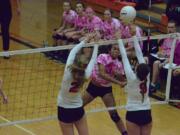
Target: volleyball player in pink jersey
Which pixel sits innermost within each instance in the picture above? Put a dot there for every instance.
(5, 99)
(73, 34)
(93, 25)
(104, 74)
(110, 25)
(68, 21)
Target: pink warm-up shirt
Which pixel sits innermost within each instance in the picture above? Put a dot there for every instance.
(109, 28)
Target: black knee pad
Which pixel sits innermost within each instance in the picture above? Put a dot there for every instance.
(115, 117)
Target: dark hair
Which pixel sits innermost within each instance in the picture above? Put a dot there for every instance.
(110, 46)
(79, 66)
(81, 4)
(172, 21)
(142, 71)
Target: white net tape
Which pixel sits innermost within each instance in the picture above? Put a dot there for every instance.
(28, 51)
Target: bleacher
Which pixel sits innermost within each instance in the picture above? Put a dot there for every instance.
(158, 20)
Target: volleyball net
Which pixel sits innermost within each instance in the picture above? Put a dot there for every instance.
(31, 80)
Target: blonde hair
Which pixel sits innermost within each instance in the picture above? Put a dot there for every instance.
(79, 66)
(74, 69)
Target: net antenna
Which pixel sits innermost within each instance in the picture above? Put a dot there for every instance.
(149, 25)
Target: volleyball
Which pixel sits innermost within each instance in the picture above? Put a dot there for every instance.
(127, 14)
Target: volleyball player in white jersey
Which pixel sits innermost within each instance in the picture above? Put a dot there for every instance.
(138, 116)
(70, 110)
(5, 99)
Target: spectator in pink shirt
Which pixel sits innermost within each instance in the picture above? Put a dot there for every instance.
(73, 34)
(67, 21)
(127, 31)
(165, 48)
(110, 25)
(93, 24)
(164, 53)
(107, 70)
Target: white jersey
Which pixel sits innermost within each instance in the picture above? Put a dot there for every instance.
(69, 95)
(135, 100)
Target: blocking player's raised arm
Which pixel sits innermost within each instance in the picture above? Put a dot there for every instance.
(92, 62)
(138, 51)
(127, 67)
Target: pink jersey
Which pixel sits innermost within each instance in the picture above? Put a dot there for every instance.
(177, 54)
(69, 17)
(94, 24)
(80, 22)
(109, 28)
(125, 33)
(166, 46)
(112, 66)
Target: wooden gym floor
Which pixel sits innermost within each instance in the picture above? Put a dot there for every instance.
(35, 24)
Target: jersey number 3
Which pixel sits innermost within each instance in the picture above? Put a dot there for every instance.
(143, 87)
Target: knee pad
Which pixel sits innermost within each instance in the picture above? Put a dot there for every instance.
(115, 117)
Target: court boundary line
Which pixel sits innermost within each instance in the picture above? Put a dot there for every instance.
(26, 42)
(18, 126)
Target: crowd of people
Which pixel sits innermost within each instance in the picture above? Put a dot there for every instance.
(111, 64)
(78, 24)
